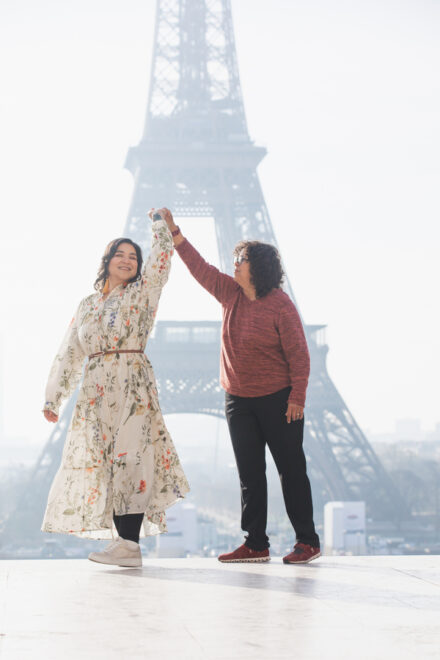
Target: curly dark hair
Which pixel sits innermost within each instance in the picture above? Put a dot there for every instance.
(108, 255)
(264, 264)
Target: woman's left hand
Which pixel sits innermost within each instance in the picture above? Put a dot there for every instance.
(294, 412)
(50, 416)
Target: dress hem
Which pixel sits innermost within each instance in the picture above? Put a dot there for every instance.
(106, 533)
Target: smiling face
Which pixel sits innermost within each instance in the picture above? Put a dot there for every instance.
(123, 265)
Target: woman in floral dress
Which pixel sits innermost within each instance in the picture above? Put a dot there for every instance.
(119, 463)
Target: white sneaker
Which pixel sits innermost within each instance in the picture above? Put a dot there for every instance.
(119, 553)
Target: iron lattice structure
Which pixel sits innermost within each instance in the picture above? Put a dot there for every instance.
(196, 157)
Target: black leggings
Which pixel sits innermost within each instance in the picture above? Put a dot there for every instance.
(129, 526)
(253, 423)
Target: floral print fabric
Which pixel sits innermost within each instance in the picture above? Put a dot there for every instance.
(118, 455)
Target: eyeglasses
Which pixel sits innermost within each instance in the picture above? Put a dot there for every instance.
(239, 260)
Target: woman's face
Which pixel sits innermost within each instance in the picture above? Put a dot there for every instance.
(242, 273)
(123, 265)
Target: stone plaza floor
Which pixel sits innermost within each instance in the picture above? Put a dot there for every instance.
(334, 607)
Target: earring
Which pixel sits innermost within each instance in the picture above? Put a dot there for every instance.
(106, 287)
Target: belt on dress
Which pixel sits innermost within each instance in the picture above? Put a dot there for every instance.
(136, 350)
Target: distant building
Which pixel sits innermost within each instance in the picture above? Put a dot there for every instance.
(408, 429)
(181, 539)
(344, 528)
(208, 538)
(435, 434)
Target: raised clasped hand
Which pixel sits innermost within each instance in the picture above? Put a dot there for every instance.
(294, 412)
(164, 213)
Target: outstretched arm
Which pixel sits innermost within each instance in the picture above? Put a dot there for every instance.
(145, 294)
(157, 267)
(220, 285)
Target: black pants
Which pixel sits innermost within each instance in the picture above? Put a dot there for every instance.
(253, 422)
(129, 526)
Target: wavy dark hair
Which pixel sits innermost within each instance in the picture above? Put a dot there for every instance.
(108, 255)
(264, 265)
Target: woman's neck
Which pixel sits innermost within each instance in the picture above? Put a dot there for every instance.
(250, 292)
(113, 282)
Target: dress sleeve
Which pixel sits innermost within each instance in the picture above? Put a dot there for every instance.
(66, 369)
(157, 266)
(218, 284)
(296, 352)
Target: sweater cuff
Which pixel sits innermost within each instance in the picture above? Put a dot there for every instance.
(298, 399)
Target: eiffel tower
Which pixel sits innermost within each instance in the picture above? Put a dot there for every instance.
(196, 157)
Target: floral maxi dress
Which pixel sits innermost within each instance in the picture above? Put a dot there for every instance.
(118, 455)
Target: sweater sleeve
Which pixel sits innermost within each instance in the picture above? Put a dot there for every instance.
(296, 352)
(218, 284)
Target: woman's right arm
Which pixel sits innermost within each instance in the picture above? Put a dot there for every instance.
(218, 284)
(66, 370)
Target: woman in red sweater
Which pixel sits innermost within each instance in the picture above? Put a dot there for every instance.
(264, 368)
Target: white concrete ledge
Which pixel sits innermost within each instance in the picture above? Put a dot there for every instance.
(198, 609)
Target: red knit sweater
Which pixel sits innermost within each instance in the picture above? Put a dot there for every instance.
(263, 344)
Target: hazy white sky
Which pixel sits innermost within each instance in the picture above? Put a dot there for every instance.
(346, 97)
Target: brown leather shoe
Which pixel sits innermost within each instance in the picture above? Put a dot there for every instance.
(302, 554)
(245, 554)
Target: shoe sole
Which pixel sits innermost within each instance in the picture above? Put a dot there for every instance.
(244, 561)
(127, 563)
(303, 561)
(131, 563)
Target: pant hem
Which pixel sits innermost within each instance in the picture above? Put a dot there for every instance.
(311, 543)
(251, 547)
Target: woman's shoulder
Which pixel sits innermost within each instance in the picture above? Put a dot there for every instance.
(89, 300)
(279, 303)
(277, 297)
